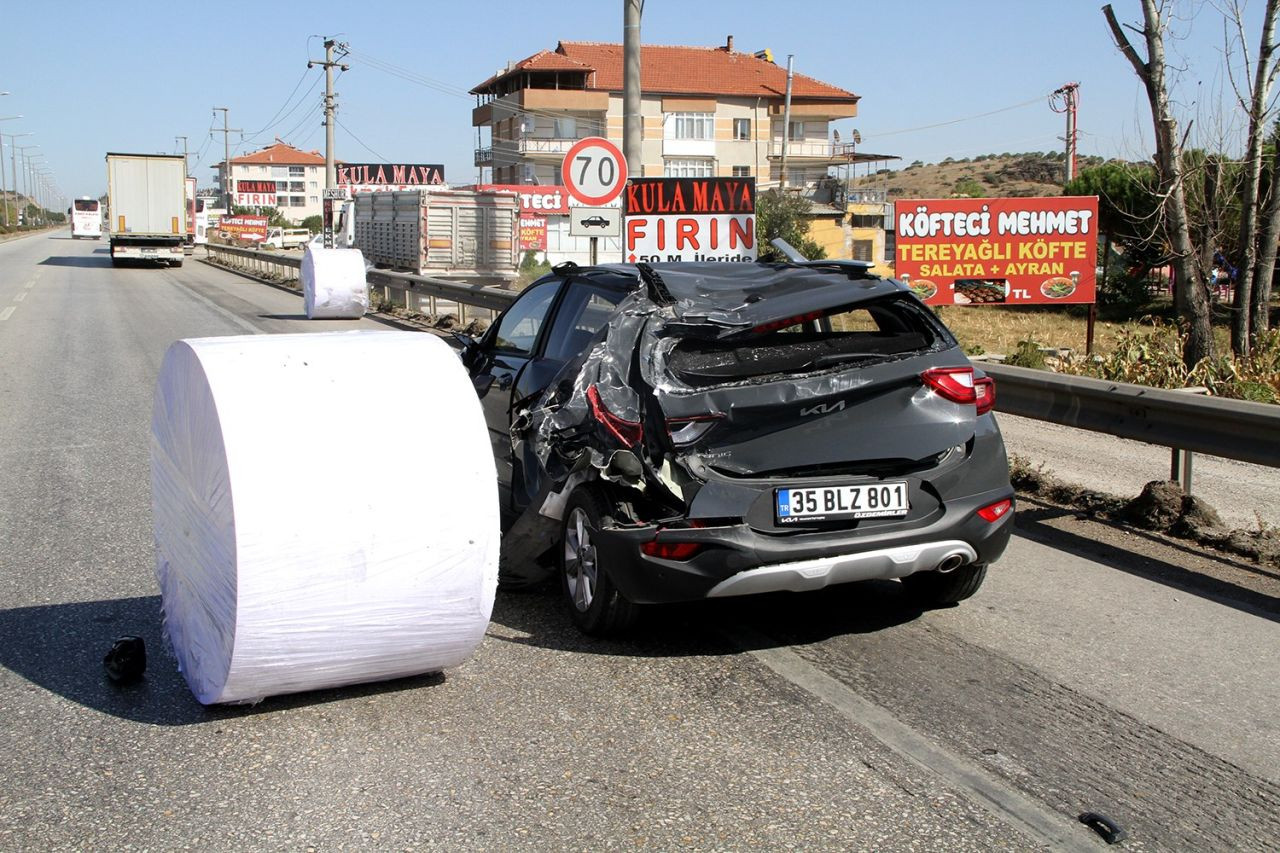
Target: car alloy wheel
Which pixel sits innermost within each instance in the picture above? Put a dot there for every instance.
(580, 560)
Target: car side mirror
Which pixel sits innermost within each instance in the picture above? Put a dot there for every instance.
(470, 349)
(482, 382)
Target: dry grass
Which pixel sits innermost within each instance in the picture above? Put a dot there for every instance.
(999, 330)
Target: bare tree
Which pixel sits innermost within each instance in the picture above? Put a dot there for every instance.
(1254, 101)
(1269, 244)
(1195, 297)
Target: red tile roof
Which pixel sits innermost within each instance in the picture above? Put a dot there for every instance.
(282, 154)
(678, 70)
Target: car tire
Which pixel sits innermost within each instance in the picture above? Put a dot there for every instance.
(936, 589)
(594, 603)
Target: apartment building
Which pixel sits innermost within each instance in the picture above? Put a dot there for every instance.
(278, 176)
(707, 111)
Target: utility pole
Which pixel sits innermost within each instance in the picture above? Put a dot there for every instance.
(330, 106)
(226, 159)
(1065, 100)
(786, 124)
(632, 122)
(185, 167)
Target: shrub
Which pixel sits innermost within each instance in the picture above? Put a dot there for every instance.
(1027, 355)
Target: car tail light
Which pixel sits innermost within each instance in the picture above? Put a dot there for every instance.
(626, 432)
(788, 322)
(996, 511)
(671, 550)
(674, 550)
(688, 430)
(953, 383)
(984, 389)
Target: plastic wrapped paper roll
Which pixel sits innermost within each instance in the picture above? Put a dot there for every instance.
(333, 284)
(292, 553)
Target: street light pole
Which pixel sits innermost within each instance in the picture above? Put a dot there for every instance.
(13, 161)
(23, 149)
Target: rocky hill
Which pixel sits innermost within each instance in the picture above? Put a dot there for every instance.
(988, 176)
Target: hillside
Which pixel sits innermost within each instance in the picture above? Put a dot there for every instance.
(990, 175)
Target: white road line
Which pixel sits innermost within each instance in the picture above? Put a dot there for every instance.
(30, 284)
(1038, 822)
(6, 313)
(20, 297)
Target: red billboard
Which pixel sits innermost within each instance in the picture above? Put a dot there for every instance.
(998, 251)
(533, 233)
(536, 199)
(244, 227)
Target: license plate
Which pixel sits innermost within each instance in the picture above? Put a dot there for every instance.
(147, 251)
(834, 503)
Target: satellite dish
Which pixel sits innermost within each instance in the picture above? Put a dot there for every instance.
(835, 134)
(856, 137)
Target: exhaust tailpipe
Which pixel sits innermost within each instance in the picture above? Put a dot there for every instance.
(951, 563)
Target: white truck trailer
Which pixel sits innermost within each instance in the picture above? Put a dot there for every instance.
(147, 199)
(465, 234)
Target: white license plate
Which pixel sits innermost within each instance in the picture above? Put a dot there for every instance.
(147, 251)
(834, 503)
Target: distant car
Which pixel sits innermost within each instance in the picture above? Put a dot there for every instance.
(594, 222)
(686, 431)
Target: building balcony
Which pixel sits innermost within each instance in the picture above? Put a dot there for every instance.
(484, 157)
(546, 100)
(534, 146)
(802, 149)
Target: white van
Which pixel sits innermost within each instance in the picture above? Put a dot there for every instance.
(287, 238)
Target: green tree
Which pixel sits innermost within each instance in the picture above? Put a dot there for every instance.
(314, 224)
(969, 188)
(274, 216)
(785, 215)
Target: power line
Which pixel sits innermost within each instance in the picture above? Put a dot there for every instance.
(359, 140)
(1036, 100)
(277, 118)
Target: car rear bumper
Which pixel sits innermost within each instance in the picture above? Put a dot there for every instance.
(738, 560)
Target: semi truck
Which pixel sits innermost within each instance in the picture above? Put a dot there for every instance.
(468, 234)
(147, 198)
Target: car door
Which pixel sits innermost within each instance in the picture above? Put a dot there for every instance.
(581, 311)
(507, 350)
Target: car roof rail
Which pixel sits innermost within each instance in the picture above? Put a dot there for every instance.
(848, 266)
(565, 268)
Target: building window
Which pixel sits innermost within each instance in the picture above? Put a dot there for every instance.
(741, 129)
(296, 187)
(863, 250)
(566, 128)
(297, 171)
(742, 171)
(279, 171)
(795, 130)
(890, 246)
(690, 168)
(311, 185)
(314, 199)
(282, 187)
(690, 126)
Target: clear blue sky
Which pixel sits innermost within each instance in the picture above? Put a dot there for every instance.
(89, 77)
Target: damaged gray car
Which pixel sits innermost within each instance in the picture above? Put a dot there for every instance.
(677, 432)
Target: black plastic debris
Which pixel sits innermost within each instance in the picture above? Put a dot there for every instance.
(126, 661)
(1104, 826)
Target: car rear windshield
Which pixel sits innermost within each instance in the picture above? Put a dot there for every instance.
(83, 205)
(889, 329)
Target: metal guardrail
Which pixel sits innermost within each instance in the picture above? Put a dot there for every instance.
(414, 289)
(1232, 429)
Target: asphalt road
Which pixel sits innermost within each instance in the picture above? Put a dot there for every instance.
(1092, 672)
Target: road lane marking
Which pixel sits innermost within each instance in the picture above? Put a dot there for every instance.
(1036, 821)
(6, 313)
(30, 284)
(20, 297)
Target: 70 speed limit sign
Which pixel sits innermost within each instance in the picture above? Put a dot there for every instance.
(594, 171)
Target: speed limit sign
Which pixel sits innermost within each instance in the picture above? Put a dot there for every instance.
(594, 171)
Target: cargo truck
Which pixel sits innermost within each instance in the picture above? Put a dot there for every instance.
(147, 198)
(466, 234)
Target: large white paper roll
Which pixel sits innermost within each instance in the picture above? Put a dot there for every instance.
(326, 510)
(333, 284)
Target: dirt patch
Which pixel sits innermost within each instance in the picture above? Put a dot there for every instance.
(1162, 508)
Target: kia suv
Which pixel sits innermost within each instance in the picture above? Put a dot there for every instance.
(677, 432)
